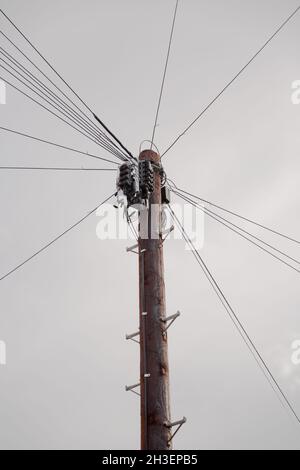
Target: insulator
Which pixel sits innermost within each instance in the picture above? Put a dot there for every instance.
(165, 195)
(126, 180)
(125, 176)
(146, 178)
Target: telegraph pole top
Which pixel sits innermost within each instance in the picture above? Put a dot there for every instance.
(150, 155)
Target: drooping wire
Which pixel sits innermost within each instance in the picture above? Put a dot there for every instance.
(64, 81)
(234, 213)
(236, 321)
(54, 239)
(231, 81)
(164, 74)
(216, 217)
(37, 139)
(59, 89)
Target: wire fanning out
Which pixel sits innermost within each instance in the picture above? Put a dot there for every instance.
(287, 237)
(37, 139)
(232, 80)
(164, 74)
(55, 85)
(54, 239)
(229, 225)
(78, 126)
(84, 123)
(237, 323)
(76, 115)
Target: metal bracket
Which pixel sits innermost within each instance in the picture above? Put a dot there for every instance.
(178, 423)
(130, 388)
(132, 337)
(130, 215)
(132, 249)
(167, 232)
(170, 319)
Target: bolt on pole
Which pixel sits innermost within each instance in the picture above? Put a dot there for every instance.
(154, 367)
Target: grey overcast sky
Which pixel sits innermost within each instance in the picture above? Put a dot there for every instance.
(64, 315)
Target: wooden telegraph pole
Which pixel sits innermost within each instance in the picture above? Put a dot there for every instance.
(154, 367)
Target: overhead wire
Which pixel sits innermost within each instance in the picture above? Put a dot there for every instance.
(164, 73)
(216, 217)
(66, 83)
(93, 130)
(276, 232)
(207, 272)
(47, 245)
(48, 90)
(49, 110)
(91, 136)
(131, 157)
(37, 139)
(236, 321)
(59, 89)
(231, 81)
